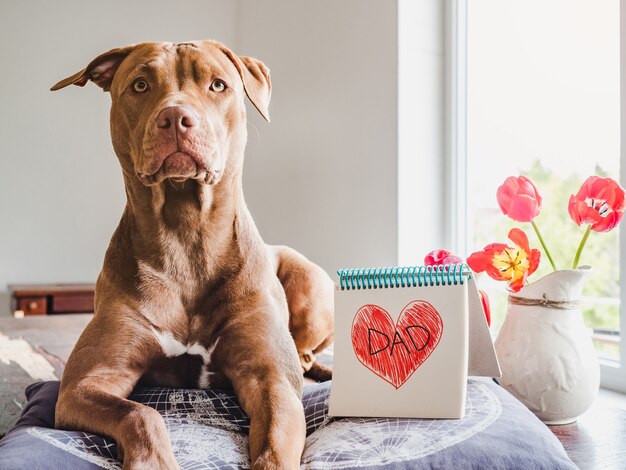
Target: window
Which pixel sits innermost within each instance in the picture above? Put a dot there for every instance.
(542, 97)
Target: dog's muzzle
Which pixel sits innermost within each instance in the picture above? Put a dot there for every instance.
(179, 149)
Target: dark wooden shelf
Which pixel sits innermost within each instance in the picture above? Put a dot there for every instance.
(50, 299)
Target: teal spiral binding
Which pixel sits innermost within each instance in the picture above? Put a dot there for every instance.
(403, 276)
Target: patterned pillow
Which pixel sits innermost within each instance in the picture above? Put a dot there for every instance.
(209, 430)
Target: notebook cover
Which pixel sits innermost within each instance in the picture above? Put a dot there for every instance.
(375, 373)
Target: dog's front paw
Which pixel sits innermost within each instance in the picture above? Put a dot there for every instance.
(269, 461)
(158, 461)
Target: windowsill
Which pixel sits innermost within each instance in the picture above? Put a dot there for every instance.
(610, 398)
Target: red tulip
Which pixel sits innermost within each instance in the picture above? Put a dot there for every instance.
(599, 202)
(485, 301)
(518, 198)
(437, 257)
(506, 263)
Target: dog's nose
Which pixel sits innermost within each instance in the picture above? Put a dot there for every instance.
(177, 117)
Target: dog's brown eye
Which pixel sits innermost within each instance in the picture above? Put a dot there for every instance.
(140, 85)
(218, 86)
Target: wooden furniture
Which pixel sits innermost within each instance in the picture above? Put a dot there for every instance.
(48, 299)
(596, 440)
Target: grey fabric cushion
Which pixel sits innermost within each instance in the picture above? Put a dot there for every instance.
(208, 430)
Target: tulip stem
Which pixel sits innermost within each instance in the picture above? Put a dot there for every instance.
(543, 244)
(581, 246)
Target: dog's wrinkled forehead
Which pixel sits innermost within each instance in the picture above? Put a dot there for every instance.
(176, 65)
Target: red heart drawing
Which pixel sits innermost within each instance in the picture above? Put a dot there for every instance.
(394, 352)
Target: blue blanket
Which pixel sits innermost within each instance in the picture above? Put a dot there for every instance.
(208, 430)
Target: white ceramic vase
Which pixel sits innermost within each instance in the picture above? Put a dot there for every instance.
(547, 358)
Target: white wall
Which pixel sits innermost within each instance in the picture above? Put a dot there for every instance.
(321, 177)
(421, 130)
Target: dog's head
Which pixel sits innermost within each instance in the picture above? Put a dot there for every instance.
(178, 110)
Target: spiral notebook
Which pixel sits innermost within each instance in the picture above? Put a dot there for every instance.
(406, 339)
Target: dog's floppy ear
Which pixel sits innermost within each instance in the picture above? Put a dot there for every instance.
(101, 70)
(256, 80)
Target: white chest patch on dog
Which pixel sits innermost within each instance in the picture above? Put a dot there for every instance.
(172, 348)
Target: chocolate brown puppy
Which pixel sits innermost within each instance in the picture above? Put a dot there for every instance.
(189, 294)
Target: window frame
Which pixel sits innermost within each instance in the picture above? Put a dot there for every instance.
(613, 373)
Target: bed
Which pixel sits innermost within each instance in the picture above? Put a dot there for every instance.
(208, 430)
